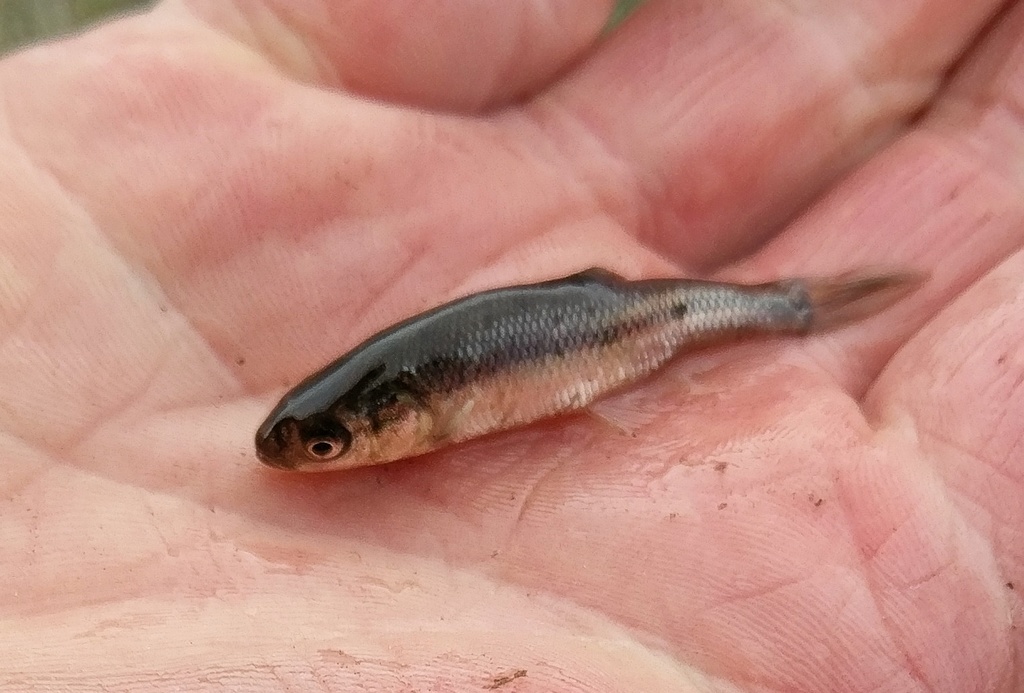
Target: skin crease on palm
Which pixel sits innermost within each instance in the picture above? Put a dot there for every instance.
(200, 205)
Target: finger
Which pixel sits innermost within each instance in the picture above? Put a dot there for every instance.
(273, 215)
(270, 610)
(81, 549)
(955, 395)
(945, 198)
(732, 116)
(463, 55)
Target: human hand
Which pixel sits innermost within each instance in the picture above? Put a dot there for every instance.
(202, 204)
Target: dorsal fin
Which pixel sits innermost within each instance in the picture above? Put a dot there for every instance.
(595, 275)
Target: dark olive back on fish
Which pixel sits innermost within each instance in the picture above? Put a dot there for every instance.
(505, 357)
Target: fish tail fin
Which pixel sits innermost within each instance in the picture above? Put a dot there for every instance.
(854, 296)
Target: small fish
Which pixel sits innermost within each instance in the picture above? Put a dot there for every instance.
(507, 357)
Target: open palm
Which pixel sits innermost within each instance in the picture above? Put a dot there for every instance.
(200, 205)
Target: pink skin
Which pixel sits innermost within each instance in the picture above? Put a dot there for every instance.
(200, 205)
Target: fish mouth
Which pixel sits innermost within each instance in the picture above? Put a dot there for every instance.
(271, 450)
(275, 461)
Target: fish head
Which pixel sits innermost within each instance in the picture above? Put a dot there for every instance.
(377, 426)
(303, 444)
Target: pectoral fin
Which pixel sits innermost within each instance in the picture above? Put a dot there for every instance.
(609, 423)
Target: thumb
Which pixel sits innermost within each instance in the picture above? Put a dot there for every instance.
(460, 54)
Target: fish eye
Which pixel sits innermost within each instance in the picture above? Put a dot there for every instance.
(324, 449)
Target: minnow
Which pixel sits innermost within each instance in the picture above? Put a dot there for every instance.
(504, 358)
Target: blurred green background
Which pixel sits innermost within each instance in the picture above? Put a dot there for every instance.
(24, 21)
